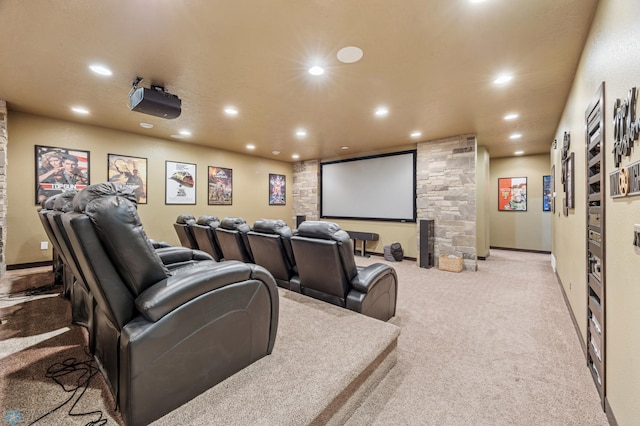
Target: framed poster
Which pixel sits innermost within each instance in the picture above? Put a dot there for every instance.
(570, 182)
(553, 188)
(277, 190)
(512, 194)
(180, 183)
(129, 171)
(220, 186)
(59, 169)
(546, 193)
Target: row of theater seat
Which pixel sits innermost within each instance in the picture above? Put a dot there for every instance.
(316, 260)
(164, 323)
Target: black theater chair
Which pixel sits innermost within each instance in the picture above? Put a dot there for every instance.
(232, 237)
(270, 242)
(204, 233)
(62, 276)
(163, 337)
(327, 270)
(183, 229)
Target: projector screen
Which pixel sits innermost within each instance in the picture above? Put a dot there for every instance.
(381, 187)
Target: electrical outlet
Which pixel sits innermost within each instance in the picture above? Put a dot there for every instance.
(44, 245)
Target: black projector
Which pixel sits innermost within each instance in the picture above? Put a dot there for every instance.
(156, 102)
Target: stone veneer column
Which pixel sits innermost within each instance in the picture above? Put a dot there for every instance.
(446, 192)
(4, 138)
(306, 182)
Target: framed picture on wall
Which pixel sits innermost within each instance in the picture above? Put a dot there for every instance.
(553, 188)
(180, 183)
(512, 194)
(277, 190)
(220, 186)
(570, 182)
(546, 193)
(59, 169)
(129, 171)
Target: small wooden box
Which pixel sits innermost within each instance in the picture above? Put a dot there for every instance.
(452, 264)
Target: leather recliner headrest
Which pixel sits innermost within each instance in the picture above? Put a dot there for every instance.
(64, 202)
(270, 226)
(318, 229)
(99, 190)
(186, 219)
(49, 202)
(211, 221)
(235, 223)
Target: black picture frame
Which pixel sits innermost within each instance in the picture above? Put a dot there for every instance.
(60, 169)
(277, 189)
(220, 186)
(570, 182)
(130, 171)
(547, 195)
(180, 183)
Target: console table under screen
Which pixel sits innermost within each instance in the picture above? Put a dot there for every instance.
(364, 237)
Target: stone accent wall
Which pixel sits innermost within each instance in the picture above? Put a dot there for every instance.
(446, 192)
(4, 138)
(306, 184)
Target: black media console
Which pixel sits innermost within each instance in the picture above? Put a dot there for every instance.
(364, 237)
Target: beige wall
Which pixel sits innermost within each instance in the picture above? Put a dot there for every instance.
(610, 55)
(528, 230)
(389, 232)
(25, 232)
(483, 202)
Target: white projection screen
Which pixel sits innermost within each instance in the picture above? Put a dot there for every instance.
(381, 187)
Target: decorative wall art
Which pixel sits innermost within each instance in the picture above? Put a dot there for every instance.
(277, 190)
(58, 170)
(130, 171)
(512, 194)
(220, 186)
(180, 183)
(547, 198)
(570, 181)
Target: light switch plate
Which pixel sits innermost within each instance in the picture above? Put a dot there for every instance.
(44, 245)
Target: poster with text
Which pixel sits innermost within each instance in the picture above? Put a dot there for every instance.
(59, 170)
(129, 171)
(180, 183)
(220, 186)
(277, 190)
(512, 194)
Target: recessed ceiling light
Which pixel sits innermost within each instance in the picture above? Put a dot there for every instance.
(185, 132)
(512, 116)
(146, 125)
(231, 110)
(100, 69)
(301, 133)
(295, 156)
(350, 54)
(344, 147)
(503, 79)
(382, 112)
(416, 134)
(518, 153)
(251, 146)
(476, 1)
(275, 152)
(316, 70)
(515, 136)
(80, 110)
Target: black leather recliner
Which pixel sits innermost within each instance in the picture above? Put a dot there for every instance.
(270, 242)
(327, 270)
(183, 229)
(163, 337)
(62, 275)
(205, 235)
(232, 236)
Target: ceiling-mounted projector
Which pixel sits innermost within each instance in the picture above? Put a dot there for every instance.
(154, 101)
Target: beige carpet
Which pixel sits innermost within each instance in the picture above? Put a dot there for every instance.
(493, 347)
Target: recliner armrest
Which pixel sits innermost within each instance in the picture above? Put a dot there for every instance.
(171, 255)
(159, 244)
(172, 292)
(368, 276)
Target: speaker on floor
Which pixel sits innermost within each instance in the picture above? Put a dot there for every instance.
(427, 244)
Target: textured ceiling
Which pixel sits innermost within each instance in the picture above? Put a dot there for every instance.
(431, 62)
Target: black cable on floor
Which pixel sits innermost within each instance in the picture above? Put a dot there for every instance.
(87, 371)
